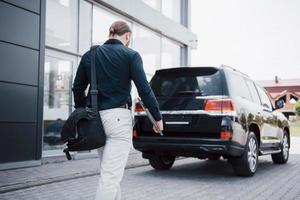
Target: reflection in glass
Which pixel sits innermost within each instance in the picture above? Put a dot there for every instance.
(61, 24)
(102, 20)
(242, 90)
(57, 99)
(85, 26)
(156, 4)
(147, 43)
(170, 56)
(265, 101)
(171, 9)
(293, 99)
(186, 83)
(253, 91)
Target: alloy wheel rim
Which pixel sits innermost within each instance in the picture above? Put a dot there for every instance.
(285, 147)
(252, 154)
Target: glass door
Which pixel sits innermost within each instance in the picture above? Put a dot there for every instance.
(58, 77)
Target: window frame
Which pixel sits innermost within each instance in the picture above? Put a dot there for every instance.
(232, 91)
(266, 93)
(247, 80)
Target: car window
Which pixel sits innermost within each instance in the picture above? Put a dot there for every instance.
(265, 101)
(187, 83)
(253, 91)
(238, 86)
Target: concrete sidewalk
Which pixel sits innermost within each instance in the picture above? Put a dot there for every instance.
(16, 179)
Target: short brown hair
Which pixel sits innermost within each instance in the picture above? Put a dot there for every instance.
(119, 28)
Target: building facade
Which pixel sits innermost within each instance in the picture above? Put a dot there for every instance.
(55, 35)
(287, 90)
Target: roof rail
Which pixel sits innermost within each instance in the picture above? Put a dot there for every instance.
(233, 69)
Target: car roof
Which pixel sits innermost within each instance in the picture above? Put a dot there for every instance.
(222, 67)
(185, 69)
(179, 69)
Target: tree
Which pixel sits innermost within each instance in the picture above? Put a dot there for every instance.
(297, 107)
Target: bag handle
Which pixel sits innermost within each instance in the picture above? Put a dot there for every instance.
(94, 90)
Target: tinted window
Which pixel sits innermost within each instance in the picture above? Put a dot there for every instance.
(238, 86)
(187, 82)
(265, 101)
(253, 91)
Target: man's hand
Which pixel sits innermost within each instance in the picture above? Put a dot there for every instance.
(158, 126)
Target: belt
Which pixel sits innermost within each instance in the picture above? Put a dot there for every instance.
(126, 106)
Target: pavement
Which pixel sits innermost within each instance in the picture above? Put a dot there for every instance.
(188, 179)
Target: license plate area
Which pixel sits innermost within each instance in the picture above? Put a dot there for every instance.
(177, 120)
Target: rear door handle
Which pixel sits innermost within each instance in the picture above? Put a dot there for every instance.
(178, 123)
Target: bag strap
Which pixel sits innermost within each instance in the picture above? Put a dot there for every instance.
(94, 90)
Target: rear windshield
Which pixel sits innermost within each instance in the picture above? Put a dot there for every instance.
(200, 82)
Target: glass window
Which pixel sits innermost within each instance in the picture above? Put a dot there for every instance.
(57, 96)
(62, 24)
(283, 98)
(170, 56)
(200, 82)
(147, 43)
(102, 20)
(156, 4)
(171, 9)
(293, 99)
(265, 101)
(238, 86)
(253, 91)
(85, 26)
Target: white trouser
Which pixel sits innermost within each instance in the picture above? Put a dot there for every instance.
(117, 124)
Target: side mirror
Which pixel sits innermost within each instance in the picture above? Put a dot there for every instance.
(279, 104)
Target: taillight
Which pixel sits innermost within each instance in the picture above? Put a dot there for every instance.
(134, 133)
(226, 128)
(138, 107)
(219, 105)
(225, 135)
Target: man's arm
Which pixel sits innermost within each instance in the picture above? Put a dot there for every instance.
(145, 92)
(80, 84)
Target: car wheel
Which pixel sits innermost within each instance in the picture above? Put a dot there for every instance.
(246, 165)
(162, 162)
(283, 156)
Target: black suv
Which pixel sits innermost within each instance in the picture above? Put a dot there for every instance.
(209, 112)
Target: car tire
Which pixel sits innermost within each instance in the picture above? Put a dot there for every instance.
(162, 162)
(246, 165)
(283, 156)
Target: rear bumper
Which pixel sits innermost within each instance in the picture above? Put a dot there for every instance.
(189, 147)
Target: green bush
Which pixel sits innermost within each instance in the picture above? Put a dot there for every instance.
(297, 107)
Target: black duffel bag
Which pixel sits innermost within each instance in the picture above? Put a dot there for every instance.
(84, 130)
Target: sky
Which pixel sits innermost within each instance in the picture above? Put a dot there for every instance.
(258, 37)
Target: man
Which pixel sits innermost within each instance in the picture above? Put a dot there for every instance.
(116, 66)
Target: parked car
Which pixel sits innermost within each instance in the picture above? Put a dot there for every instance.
(209, 112)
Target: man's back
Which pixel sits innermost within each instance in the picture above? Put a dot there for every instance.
(112, 72)
(116, 66)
